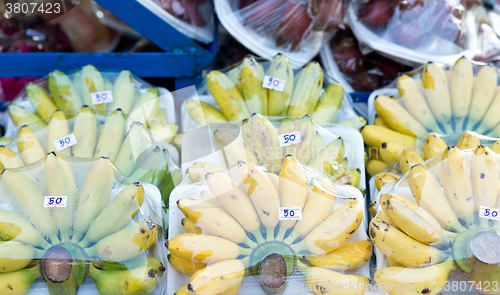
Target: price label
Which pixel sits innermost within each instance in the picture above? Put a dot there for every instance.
(290, 213)
(273, 83)
(289, 138)
(65, 142)
(101, 97)
(55, 201)
(489, 213)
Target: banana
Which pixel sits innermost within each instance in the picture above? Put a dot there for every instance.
(28, 146)
(275, 179)
(376, 135)
(307, 90)
(22, 116)
(402, 248)
(85, 131)
(428, 194)
(190, 227)
(332, 154)
(141, 260)
(252, 144)
(378, 121)
(381, 215)
(484, 177)
(94, 196)
(112, 136)
(427, 280)
(461, 84)
(457, 185)
(408, 160)
(232, 148)
(292, 190)
(152, 166)
(227, 96)
(137, 281)
(352, 177)
(117, 215)
(177, 142)
(134, 145)
(161, 118)
(415, 103)
(18, 282)
(374, 167)
(146, 108)
(372, 208)
(204, 248)
(163, 133)
(317, 146)
(337, 170)
(198, 171)
(391, 152)
(413, 220)
(334, 231)
(64, 93)
(41, 100)
(397, 117)
(77, 81)
(184, 289)
(126, 243)
(57, 129)
(355, 123)
(385, 178)
(482, 95)
(251, 78)
(319, 206)
(185, 266)
(280, 68)
(16, 255)
(347, 257)
(468, 140)
(123, 93)
(209, 217)
(235, 201)
(29, 199)
(266, 135)
(437, 92)
(14, 227)
(434, 144)
(233, 75)
(288, 126)
(307, 130)
(496, 147)
(329, 104)
(203, 113)
(92, 82)
(217, 278)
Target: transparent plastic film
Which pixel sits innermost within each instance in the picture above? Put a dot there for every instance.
(68, 222)
(266, 233)
(439, 224)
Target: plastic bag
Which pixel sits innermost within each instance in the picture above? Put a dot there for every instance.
(295, 27)
(415, 31)
(442, 208)
(266, 88)
(66, 220)
(231, 231)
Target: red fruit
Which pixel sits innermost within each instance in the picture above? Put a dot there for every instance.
(408, 35)
(245, 3)
(294, 24)
(327, 14)
(376, 13)
(388, 67)
(262, 13)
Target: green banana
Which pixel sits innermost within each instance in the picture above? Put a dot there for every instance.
(15, 227)
(251, 78)
(280, 68)
(146, 108)
(138, 281)
(18, 282)
(134, 144)
(41, 100)
(329, 104)
(23, 116)
(307, 90)
(85, 131)
(112, 135)
(92, 82)
(229, 99)
(64, 93)
(123, 92)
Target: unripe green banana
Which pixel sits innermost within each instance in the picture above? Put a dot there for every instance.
(112, 136)
(280, 68)
(23, 116)
(41, 100)
(64, 93)
(307, 90)
(58, 128)
(85, 131)
(92, 82)
(251, 78)
(28, 146)
(229, 99)
(329, 104)
(123, 93)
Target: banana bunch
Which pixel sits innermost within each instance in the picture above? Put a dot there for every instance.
(243, 92)
(64, 226)
(259, 143)
(442, 231)
(233, 229)
(95, 135)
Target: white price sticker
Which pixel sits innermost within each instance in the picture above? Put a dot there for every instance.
(289, 138)
(489, 213)
(274, 83)
(102, 97)
(55, 201)
(290, 213)
(65, 142)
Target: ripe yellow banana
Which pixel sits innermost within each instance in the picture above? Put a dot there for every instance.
(85, 131)
(203, 113)
(16, 255)
(496, 147)
(217, 278)
(64, 93)
(391, 152)
(92, 82)
(408, 160)
(461, 84)
(437, 92)
(18, 282)
(227, 96)
(57, 129)
(378, 121)
(381, 215)
(190, 227)
(126, 243)
(28, 146)
(374, 167)
(374, 136)
(204, 248)
(328, 104)
(251, 78)
(347, 257)
(233, 74)
(402, 248)
(434, 144)
(280, 68)
(397, 117)
(133, 146)
(185, 266)
(112, 136)
(468, 140)
(303, 150)
(266, 136)
(482, 95)
(41, 100)
(428, 194)
(15, 227)
(372, 208)
(385, 178)
(484, 177)
(123, 93)
(139, 280)
(306, 91)
(198, 171)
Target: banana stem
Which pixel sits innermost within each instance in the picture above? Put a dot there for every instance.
(258, 236)
(269, 234)
(91, 251)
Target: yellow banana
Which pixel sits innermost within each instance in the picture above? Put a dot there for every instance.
(22, 116)
(112, 136)
(484, 177)
(306, 91)
(233, 74)
(496, 147)
(408, 160)
(190, 227)
(217, 278)
(18, 282)
(28, 146)
(57, 129)
(434, 144)
(482, 95)
(372, 208)
(307, 130)
(16, 255)
(376, 135)
(40, 99)
(461, 85)
(163, 133)
(203, 113)
(352, 177)
(92, 82)
(184, 266)
(397, 117)
(136, 281)
(378, 121)
(437, 92)
(123, 93)
(391, 152)
(227, 96)
(251, 78)
(15, 227)
(381, 215)
(280, 68)
(177, 142)
(232, 147)
(198, 171)
(9, 158)
(328, 104)
(347, 257)
(468, 140)
(266, 136)
(85, 131)
(64, 93)
(275, 179)
(385, 178)
(374, 167)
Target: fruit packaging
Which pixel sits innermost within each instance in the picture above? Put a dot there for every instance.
(69, 222)
(333, 150)
(437, 227)
(226, 236)
(235, 94)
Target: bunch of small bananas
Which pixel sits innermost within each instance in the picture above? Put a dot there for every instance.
(234, 230)
(259, 143)
(240, 93)
(92, 235)
(70, 95)
(95, 136)
(435, 233)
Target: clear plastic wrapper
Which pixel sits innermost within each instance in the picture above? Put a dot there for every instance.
(229, 227)
(436, 228)
(78, 226)
(108, 19)
(294, 27)
(268, 88)
(415, 31)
